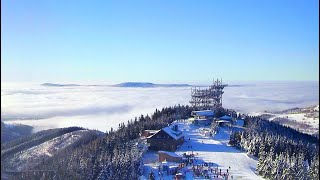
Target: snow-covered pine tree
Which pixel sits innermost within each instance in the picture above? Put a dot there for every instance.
(261, 160)
(268, 166)
(302, 171)
(314, 168)
(275, 171)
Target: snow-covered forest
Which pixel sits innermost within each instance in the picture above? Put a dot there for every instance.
(283, 153)
(110, 157)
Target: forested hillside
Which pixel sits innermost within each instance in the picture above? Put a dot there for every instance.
(11, 132)
(283, 153)
(108, 157)
(33, 140)
(24, 154)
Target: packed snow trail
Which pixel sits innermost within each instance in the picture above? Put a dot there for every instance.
(216, 150)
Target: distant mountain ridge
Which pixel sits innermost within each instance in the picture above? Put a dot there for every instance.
(148, 84)
(139, 84)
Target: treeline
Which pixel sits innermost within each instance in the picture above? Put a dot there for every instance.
(27, 142)
(283, 153)
(109, 157)
(31, 157)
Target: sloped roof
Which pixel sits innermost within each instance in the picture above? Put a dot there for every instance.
(201, 119)
(225, 117)
(204, 113)
(174, 134)
(223, 121)
(151, 130)
(168, 130)
(154, 133)
(170, 153)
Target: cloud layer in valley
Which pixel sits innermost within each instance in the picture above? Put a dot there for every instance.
(102, 107)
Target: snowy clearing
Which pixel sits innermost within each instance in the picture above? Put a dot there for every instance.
(305, 120)
(214, 150)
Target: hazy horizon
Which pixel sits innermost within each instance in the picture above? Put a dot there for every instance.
(268, 47)
(103, 107)
(229, 82)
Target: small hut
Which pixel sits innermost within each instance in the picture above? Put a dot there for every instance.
(224, 120)
(203, 117)
(169, 156)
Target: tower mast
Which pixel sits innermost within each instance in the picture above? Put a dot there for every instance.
(209, 98)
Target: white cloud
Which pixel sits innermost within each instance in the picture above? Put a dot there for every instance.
(100, 107)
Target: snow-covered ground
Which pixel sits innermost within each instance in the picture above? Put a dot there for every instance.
(305, 119)
(300, 117)
(46, 149)
(213, 150)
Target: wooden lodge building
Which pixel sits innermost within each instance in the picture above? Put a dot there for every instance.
(167, 139)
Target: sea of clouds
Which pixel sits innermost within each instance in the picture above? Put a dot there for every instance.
(103, 107)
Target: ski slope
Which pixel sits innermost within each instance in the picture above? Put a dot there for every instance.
(211, 149)
(216, 150)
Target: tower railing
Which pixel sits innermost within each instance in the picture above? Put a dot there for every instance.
(208, 98)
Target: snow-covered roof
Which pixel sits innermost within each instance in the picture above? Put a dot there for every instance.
(223, 121)
(153, 133)
(201, 119)
(170, 153)
(165, 162)
(173, 167)
(203, 113)
(225, 117)
(174, 134)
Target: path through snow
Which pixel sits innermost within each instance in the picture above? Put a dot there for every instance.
(214, 150)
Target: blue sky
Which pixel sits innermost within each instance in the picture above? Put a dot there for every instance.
(159, 41)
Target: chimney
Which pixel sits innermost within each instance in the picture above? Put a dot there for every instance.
(175, 127)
